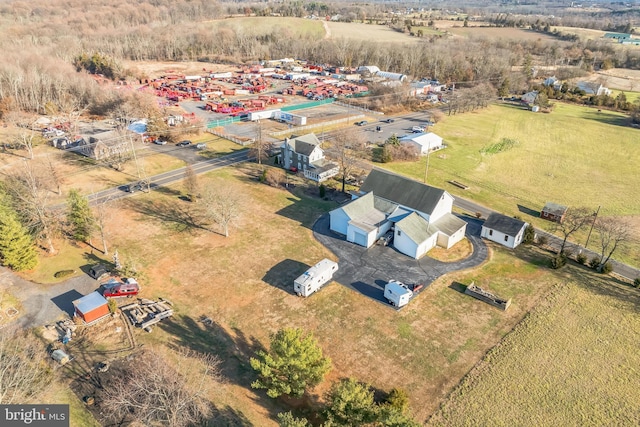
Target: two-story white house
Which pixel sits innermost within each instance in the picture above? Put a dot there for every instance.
(419, 215)
(303, 153)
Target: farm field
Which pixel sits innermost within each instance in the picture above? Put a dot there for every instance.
(572, 362)
(553, 159)
(499, 33)
(295, 27)
(583, 33)
(368, 32)
(244, 283)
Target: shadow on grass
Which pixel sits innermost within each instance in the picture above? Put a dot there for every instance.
(226, 416)
(605, 285)
(458, 287)
(177, 215)
(528, 211)
(283, 274)
(606, 117)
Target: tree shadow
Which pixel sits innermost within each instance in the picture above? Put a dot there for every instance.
(174, 215)
(303, 209)
(226, 416)
(606, 117)
(528, 211)
(605, 285)
(167, 191)
(283, 274)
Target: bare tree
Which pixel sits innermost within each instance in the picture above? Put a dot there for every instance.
(161, 390)
(613, 233)
(348, 148)
(275, 177)
(103, 212)
(57, 178)
(28, 189)
(25, 137)
(222, 207)
(23, 373)
(191, 183)
(574, 220)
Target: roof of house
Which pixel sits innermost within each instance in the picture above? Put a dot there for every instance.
(359, 206)
(403, 191)
(323, 165)
(304, 144)
(555, 209)
(422, 138)
(504, 224)
(589, 87)
(89, 302)
(415, 228)
(448, 224)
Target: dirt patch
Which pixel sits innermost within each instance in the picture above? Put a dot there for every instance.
(155, 69)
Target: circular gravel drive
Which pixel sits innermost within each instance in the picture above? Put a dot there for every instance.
(368, 270)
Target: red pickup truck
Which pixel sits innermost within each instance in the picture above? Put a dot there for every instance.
(115, 288)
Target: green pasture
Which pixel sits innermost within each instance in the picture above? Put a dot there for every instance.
(631, 96)
(575, 156)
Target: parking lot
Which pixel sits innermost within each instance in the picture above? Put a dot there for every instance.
(368, 270)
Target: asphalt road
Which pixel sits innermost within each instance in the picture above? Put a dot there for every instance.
(173, 176)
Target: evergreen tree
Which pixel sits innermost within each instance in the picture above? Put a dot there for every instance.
(350, 403)
(17, 250)
(294, 363)
(80, 217)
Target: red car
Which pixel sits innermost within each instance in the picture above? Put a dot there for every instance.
(114, 288)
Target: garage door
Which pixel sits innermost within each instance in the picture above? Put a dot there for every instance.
(360, 239)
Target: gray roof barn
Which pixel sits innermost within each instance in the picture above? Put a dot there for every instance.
(504, 224)
(403, 191)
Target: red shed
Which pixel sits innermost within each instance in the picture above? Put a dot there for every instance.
(91, 307)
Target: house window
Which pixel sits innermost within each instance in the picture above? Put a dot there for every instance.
(506, 238)
(490, 232)
(399, 233)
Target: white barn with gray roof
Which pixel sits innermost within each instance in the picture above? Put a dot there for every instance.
(419, 214)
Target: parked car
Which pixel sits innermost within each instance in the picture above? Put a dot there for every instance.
(160, 142)
(201, 146)
(361, 123)
(386, 239)
(387, 121)
(417, 129)
(132, 188)
(98, 271)
(184, 143)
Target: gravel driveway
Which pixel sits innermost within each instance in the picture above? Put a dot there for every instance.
(43, 304)
(368, 270)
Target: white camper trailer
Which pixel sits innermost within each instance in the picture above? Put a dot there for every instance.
(314, 278)
(397, 293)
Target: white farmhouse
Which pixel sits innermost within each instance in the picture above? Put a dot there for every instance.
(420, 215)
(422, 142)
(504, 229)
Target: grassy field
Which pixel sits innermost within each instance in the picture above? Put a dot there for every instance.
(499, 33)
(631, 96)
(583, 33)
(572, 362)
(573, 156)
(296, 27)
(369, 32)
(244, 283)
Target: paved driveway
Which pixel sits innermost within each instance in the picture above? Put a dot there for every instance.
(368, 270)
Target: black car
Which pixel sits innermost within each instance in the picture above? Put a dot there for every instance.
(184, 143)
(387, 121)
(98, 271)
(132, 188)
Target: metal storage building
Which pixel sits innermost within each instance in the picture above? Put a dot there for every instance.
(91, 307)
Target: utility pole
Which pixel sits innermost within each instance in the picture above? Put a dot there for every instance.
(426, 169)
(595, 216)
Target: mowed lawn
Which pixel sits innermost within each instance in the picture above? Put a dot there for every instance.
(244, 284)
(369, 32)
(572, 362)
(499, 33)
(574, 156)
(259, 25)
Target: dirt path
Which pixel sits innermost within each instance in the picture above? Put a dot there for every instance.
(42, 304)
(327, 30)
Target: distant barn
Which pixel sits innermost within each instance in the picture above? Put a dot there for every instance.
(553, 212)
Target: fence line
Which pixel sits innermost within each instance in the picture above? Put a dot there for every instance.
(355, 107)
(232, 138)
(316, 125)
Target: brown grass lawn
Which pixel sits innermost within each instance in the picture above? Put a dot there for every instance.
(244, 282)
(572, 362)
(369, 32)
(499, 33)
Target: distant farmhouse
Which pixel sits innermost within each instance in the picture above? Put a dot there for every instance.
(303, 153)
(419, 215)
(591, 88)
(104, 145)
(553, 82)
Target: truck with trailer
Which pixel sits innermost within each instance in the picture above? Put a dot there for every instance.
(314, 278)
(397, 293)
(113, 288)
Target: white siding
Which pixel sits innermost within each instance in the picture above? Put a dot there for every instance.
(338, 221)
(404, 244)
(498, 237)
(353, 230)
(444, 206)
(426, 246)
